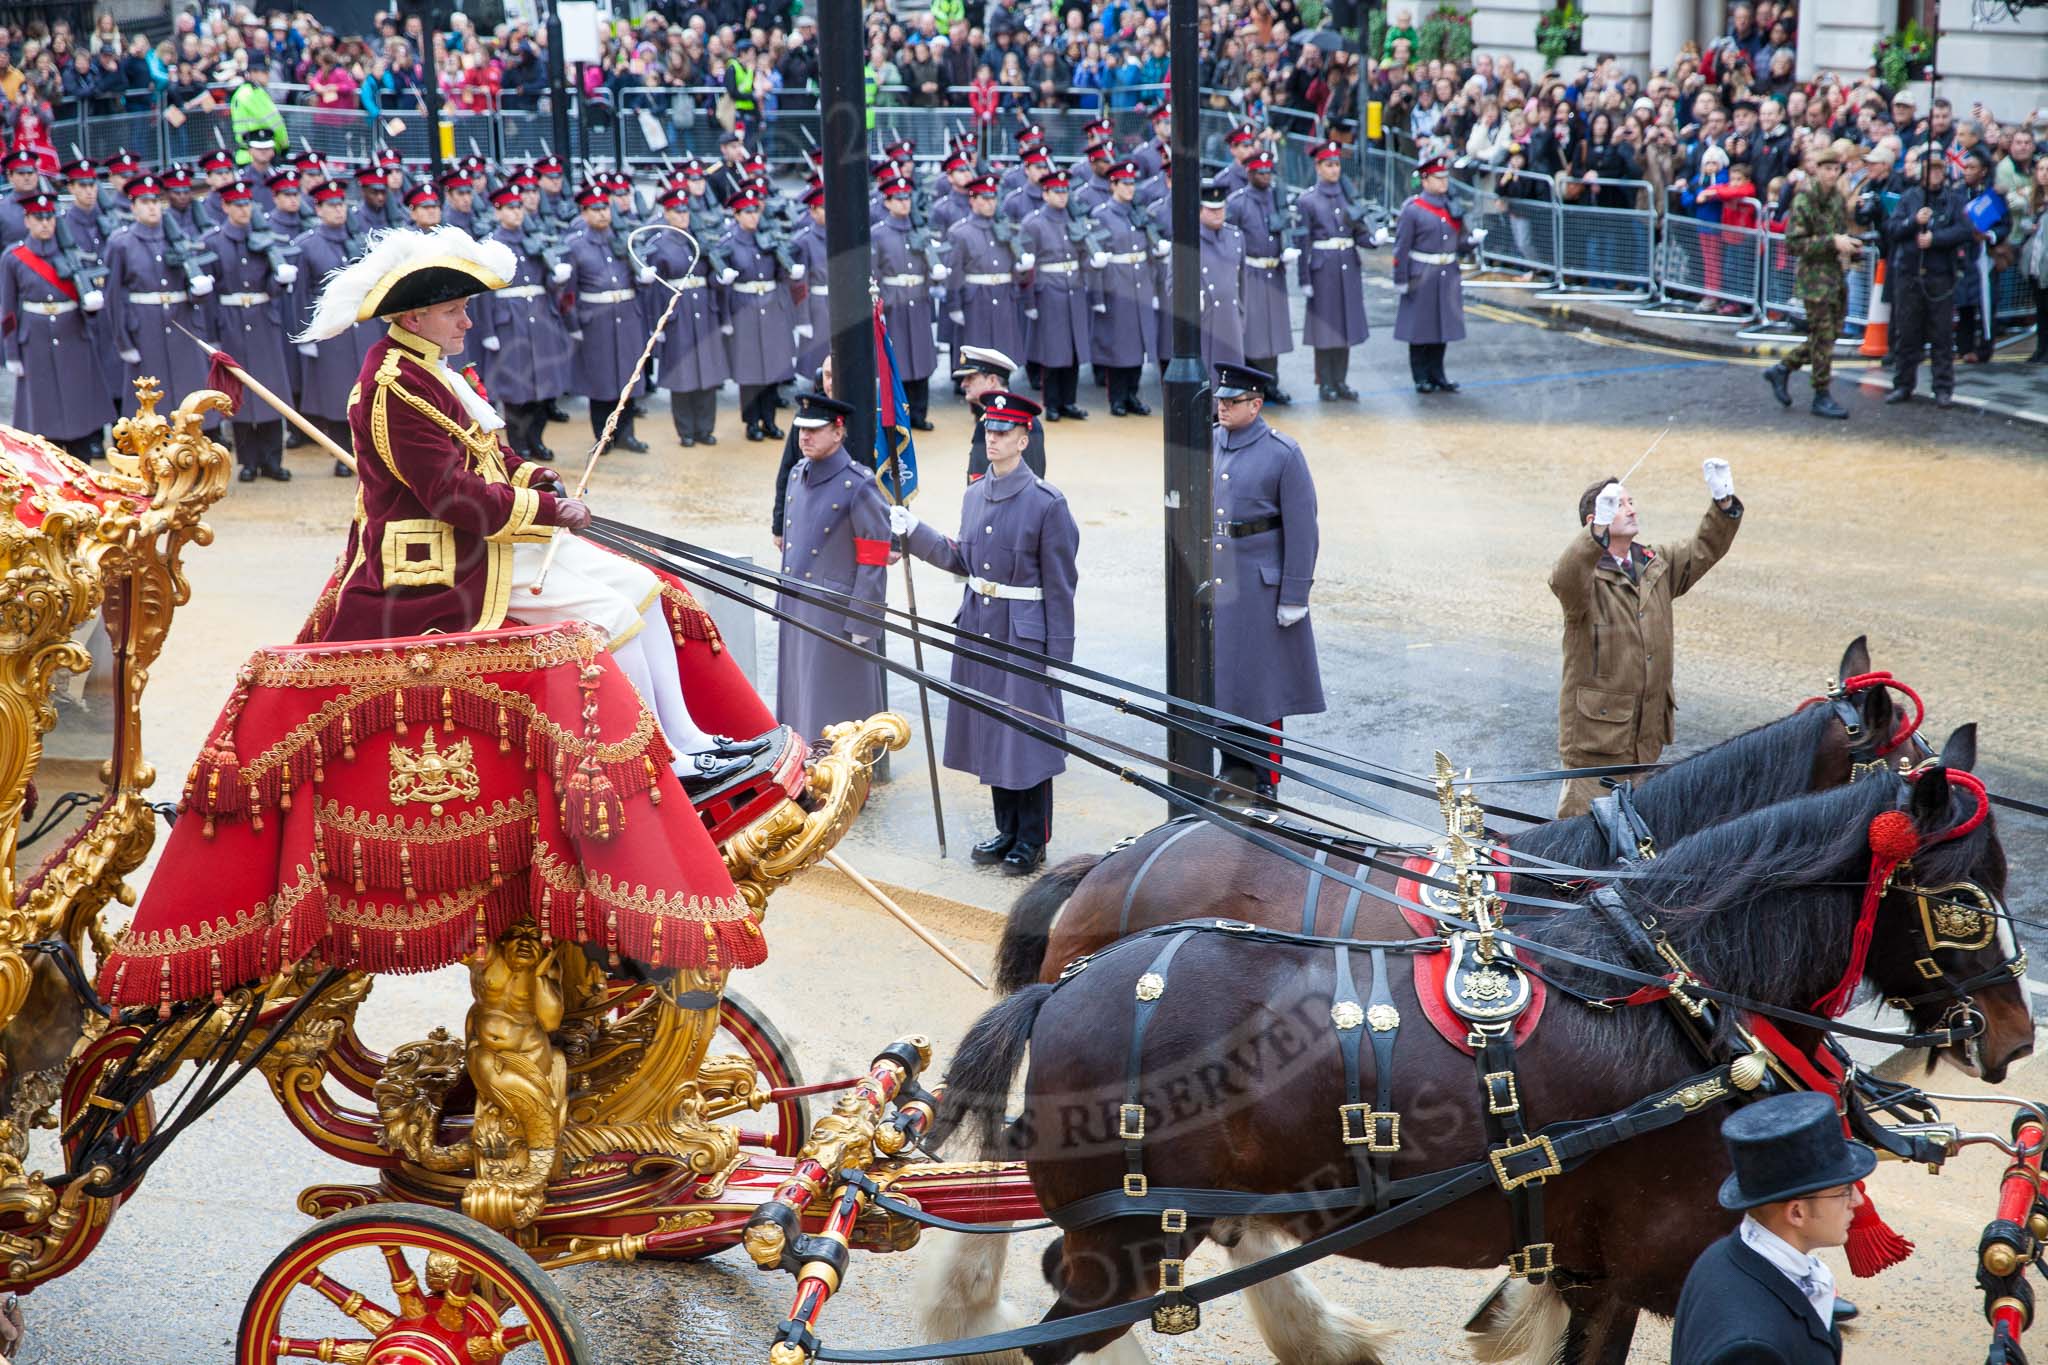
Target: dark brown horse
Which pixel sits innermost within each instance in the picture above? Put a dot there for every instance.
(1087, 903)
(1242, 1077)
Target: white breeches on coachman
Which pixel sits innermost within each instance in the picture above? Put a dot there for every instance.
(623, 600)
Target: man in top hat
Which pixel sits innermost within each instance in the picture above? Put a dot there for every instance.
(251, 311)
(1243, 141)
(458, 200)
(692, 364)
(1256, 211)
(903, 269)
(1331, 275)
(451, 528)
(1056, 305)
(60, 389)
(1928, 231)
(1123, 290)
(610, 329)
(984, 270)
(1223, 281)
(524, 343)
(1016, 546)
(423, 206)
(814, 312)
(24, 178)
(327, 372)
(1265, 550)
(983, 372)
(149, 298)
(1428, 240)
(1760, 1294)
(1820, 237)
(835, 538)
(760, 316)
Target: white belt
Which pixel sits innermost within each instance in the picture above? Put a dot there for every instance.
(610, 296)
(1129, 258)
(983, 588)
(1262, 262)
(902, 281)
(1332, 244)
(1434, 257)
(755, 286)
(1059, 267)
(520, 291)
(993, 281)
(244, 300)
(50, 310)
(164, 300)
(691, 282)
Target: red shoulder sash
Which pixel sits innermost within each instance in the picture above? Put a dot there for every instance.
(1455, 223)
(45, 271)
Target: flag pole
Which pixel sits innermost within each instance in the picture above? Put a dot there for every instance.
(924, 699)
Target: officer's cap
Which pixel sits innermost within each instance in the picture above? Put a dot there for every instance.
(984, 360)
(817, 410)
(1214, 192)
(1004, 411)
(1237, 381)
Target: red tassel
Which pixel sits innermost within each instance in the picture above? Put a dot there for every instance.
(1873, 1246)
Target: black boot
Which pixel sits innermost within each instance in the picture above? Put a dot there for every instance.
(1023, 859)
(992, 850)
(1824, 405)
(1778, 377)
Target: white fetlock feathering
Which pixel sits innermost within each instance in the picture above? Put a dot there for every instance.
(1531, 1323)
(959, 1292)
(1298, 1325)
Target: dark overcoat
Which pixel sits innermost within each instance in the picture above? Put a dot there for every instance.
(532, 361)
(612, 328)
(61, 392)
(905, 279)
(835, 530)
(250, 312)
(1018, 531)
(763, 343)
(1124, 288)
(135, 266)
(1058, 292)
(1329, 265)
(328, 374)
(692, 355)
(1268, 330)
(1432, 305)
(1264, 670)
(815, 311)
(982, 287)
(1739, 1309)
(1223, 273)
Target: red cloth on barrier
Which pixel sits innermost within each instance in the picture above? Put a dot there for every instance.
(390, 805)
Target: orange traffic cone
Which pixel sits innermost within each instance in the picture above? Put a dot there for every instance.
(1877, 333)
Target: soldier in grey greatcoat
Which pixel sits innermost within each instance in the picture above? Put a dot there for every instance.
(1023, 199)
(250, 310)
(984, 269)
(458, 201)
(1123, 293)
(1152, 157)
(1257, 212)
(525, 350)
(814, 314)
(1095, 188)
(1057, 303)
(24, 178)
(903, 270)
(1016, 547)
(60, 391)
(83, 226)
(379, 207)
(692, 361)
(148, 293)
(981, 375)
(558, 207)
(1243, 144)
(328, 370)
(835, 538)
(610, 331)
(1265, 563)
(761, 326)
(1223, 282)
(948, 206)
(1331, 275)
(1428, 240)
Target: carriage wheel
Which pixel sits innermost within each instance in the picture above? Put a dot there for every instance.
(782, 1126)
(405, 1284)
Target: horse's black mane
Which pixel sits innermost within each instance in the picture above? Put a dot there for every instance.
(1759, 767)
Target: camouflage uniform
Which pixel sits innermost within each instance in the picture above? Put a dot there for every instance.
(1817, 216)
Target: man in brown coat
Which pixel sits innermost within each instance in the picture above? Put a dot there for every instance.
(1616, 704)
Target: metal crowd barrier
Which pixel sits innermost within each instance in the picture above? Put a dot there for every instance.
(1712, 262)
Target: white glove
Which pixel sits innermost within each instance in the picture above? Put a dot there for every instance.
(1720, 481)
(1101, 308)
(1606, 504)
(490, 343)
(131, 357)
(726, 330)
(286, 273)
(1098, 261)
(93, 301)
(305, 348)
(1026, 261)
(805, 330)
(1478, 236)
(563, 271)
(940, 272)
(576, 336)
(958, 317)
(1161, 248)
(798, 271)
(1290, 255)
(902, 521)
(202, 285)
(1031, 313)
(646, 275)
(728, 275)
(15, 368)
(862, 640)
(1290, 616)
(1308, 291)
(1381, 237)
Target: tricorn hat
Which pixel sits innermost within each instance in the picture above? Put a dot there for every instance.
(1787, 1146)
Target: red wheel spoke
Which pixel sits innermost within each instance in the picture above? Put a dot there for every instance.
(518, 1334)
(369, 1314)
(350, 1352)
(403, 1283)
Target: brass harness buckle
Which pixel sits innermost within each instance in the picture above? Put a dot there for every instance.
(1514, 1180)
(1538, 1258)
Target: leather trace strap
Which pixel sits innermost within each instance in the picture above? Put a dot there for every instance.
(1123, 918)
(1174, 1316)
(1314, 893)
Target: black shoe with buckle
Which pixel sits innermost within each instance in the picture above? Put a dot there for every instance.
(702, 771)
(1023, 859)
(726, 744)
(992, 850)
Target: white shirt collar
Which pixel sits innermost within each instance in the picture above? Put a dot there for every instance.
(1809, 1273)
